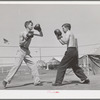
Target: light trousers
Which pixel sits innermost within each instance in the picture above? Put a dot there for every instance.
(23, 54)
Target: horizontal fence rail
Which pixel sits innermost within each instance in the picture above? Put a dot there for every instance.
(38, 53)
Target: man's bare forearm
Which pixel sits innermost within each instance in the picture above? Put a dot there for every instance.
(41, 34)
(23, 41)
(62, 42)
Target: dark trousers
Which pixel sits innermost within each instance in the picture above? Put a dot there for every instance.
(70, 60)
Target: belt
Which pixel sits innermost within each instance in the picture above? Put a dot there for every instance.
(23, 47)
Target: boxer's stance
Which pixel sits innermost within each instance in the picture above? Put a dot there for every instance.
(70, 58)
(23, 53)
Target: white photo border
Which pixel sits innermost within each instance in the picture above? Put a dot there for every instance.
(50, 94)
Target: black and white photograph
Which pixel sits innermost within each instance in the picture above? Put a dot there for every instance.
(50, 46)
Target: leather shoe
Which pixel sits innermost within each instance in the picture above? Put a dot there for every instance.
(38, 84)
(57, 84)
(87, 81)
(4, 84)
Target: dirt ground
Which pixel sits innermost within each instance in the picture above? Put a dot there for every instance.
(23, 81)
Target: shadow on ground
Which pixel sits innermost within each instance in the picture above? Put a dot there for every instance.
(46, 82)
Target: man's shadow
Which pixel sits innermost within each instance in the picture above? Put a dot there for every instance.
(71, 82)
(47, 82)
(22, 85)
(26, 84)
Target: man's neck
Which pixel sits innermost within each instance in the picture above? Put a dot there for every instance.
(66, 32)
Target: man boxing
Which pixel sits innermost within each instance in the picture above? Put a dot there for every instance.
(70, 59)
(23, 53)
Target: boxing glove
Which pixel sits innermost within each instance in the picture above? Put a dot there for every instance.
(58, 32)
(37, 27)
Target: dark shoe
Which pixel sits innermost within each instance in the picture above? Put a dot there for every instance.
(87, 81)
(57, 84)
(4, 84)
(38, 84)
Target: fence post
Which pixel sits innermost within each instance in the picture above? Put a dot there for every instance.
(87, 65)
(40, 52)
(2, 70)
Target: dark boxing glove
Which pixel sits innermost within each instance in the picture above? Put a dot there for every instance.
(58, 33)
(30, 34)
(37, 27)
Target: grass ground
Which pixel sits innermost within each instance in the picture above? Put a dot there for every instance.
(23, 81)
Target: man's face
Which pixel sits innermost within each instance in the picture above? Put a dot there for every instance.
(30, 26)
(65, 29)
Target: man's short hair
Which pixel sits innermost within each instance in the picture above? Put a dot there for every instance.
(27, 23)
(67, 25)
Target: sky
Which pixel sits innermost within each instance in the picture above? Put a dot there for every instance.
(84, 19)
